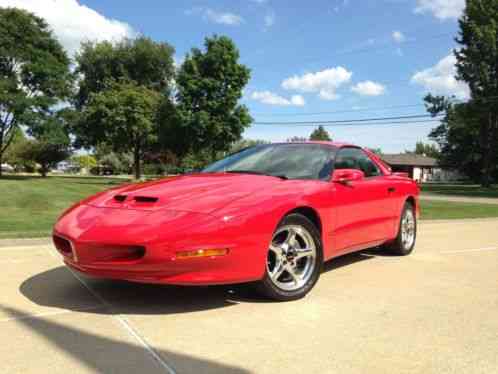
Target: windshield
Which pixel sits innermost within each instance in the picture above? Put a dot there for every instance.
(289, 161)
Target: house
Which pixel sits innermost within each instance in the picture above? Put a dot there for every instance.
(420, 167)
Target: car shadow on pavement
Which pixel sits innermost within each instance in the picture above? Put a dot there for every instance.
(58, 288)
(103, 354)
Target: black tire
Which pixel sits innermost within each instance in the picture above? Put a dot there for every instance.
(269, 289)
(398, 247)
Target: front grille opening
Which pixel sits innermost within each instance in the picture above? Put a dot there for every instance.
(120, 198)
(120, 253)
(63, 245)
(146, 199)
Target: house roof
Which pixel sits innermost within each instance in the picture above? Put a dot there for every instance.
(409, 159)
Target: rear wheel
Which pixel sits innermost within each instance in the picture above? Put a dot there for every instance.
(294, 260)
(407, 233)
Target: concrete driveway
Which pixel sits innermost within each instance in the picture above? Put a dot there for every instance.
(433, 312)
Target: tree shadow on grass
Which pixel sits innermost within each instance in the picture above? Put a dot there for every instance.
(104, 354)
(14, 177)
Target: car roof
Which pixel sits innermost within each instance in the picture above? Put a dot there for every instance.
(332, 144)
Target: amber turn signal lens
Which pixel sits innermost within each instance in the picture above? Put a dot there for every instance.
(201, 253)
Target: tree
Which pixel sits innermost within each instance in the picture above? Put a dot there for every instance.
(84, 161)
(124, 115)
(140, 69)
(13, 155)
(477, 64)
(34, 72)
(141, 60)
(209, 86)
(51, 143)
(429, 150)
(458, 135)
(320, 134)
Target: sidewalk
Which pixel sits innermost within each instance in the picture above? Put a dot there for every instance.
(459, 199)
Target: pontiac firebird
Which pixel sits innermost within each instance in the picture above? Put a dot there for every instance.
(269, 215)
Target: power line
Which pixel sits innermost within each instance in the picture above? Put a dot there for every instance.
(345, 121)
(371, 109)
(314, 124)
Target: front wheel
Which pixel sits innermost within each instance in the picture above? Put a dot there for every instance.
(294, 260)
(407, 233)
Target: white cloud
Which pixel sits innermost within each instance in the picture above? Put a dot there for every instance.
(440, 79)
(269, 19)
(270, 98)
(324, 82)
(369, 88)
(73, 23)
(222, 18)
(398, 36)
(442, 9)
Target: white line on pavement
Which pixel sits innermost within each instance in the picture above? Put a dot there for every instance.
(123, 322)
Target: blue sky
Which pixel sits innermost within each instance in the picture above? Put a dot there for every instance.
(345, 56)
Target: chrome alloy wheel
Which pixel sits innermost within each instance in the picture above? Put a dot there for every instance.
(291, 257)
(408, 229)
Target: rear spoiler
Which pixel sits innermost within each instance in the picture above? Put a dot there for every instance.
(401, 175)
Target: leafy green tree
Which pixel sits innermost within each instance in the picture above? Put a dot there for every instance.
(477, 64)
(51, 144)
(429, 150)
(124, 115)
(209, 86)
(143, 71)
(320, 134)
(84, 161)
(458, 135)
(13, 155)
(141, 60)
(34, 72)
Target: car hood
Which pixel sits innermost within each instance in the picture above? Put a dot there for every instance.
(201, 193)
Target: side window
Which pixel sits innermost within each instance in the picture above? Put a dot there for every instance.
(355, 158)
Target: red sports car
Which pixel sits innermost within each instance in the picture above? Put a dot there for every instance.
(269, 214)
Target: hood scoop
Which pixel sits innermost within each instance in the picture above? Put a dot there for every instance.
(146, 199)
(120, 198)
(134, 200)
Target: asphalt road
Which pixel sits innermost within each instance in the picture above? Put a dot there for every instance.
(435, 311)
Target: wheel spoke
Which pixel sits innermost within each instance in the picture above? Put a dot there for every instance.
(305, 252)
(292, 272)
(277, 250)
(291, 238)
(277, 271)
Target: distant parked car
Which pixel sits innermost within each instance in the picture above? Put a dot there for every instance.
(7, 168)
(270, 214)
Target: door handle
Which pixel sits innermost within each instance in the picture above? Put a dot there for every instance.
(391, 189)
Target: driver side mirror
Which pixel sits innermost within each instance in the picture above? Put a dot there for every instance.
(346, 176)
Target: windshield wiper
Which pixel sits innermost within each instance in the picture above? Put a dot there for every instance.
(283, 177)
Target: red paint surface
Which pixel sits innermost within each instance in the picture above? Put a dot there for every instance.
(138, 240)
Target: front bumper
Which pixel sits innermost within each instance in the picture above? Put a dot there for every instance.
(137, 246)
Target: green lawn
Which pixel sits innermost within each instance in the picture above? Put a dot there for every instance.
(432, 209)
(29, 206)
(468, 190)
